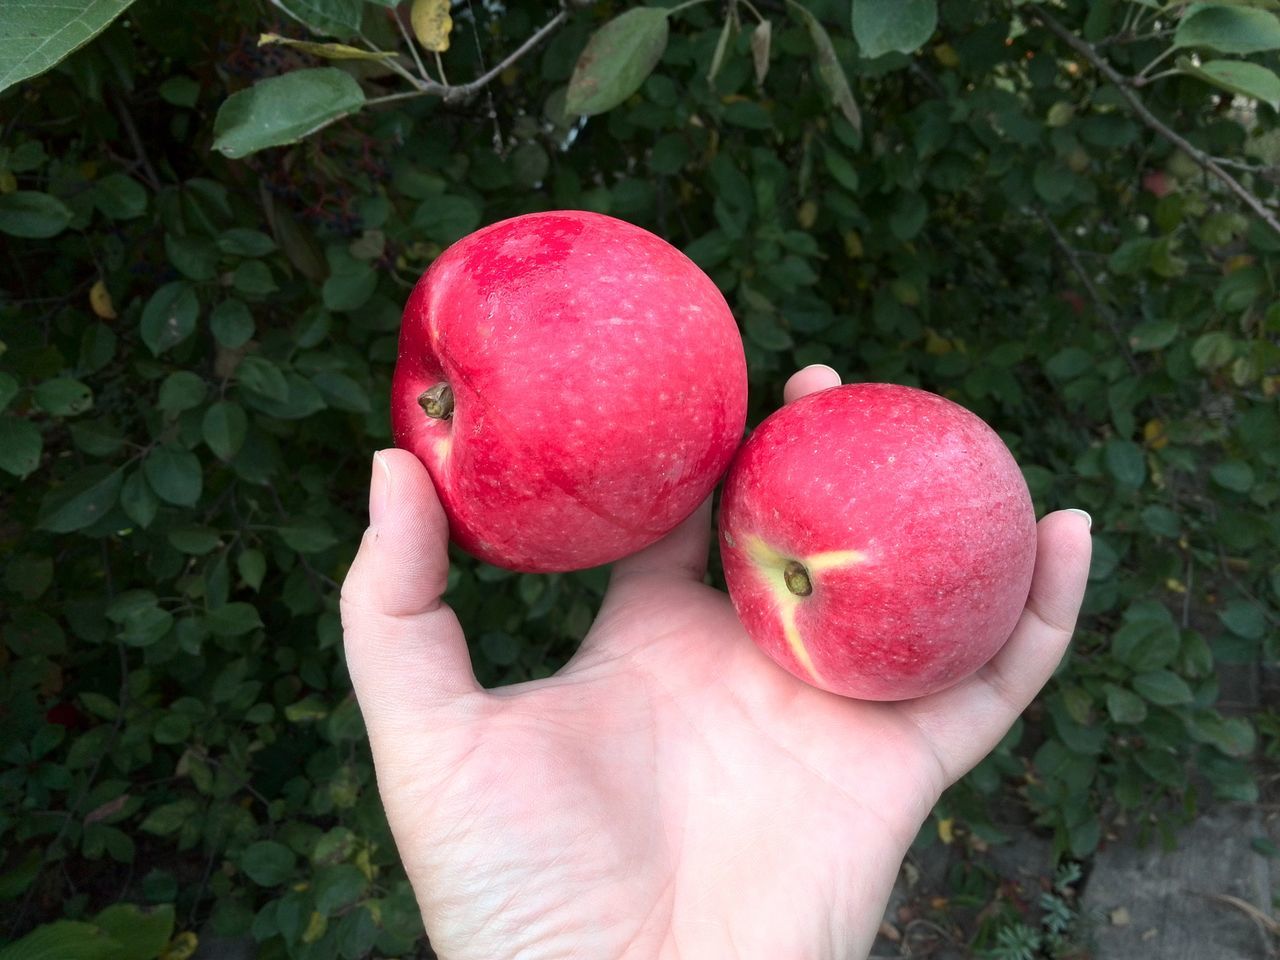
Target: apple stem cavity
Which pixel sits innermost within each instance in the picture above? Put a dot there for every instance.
(437, 402)
(796, 578)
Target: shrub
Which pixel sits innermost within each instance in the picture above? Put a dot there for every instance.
(1063, 217)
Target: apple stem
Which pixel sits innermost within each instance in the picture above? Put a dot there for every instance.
(796, 578)
(437, 402)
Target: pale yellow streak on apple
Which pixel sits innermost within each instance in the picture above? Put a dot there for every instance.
(787, 609)
(441, 448)
(833, 560)
(770, 560)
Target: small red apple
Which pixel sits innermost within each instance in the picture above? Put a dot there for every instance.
(575, 386)
(878, 540)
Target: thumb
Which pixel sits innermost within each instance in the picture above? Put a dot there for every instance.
(404, 646)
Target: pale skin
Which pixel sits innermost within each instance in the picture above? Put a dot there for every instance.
(670, 793)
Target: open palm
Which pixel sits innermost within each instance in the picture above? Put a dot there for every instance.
(671, 792)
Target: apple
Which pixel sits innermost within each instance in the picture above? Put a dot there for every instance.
(574, 384)
(878, 540)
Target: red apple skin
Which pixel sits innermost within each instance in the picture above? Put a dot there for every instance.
(915, 529)
(599, 383)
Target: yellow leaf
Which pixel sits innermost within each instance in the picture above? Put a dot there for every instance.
(1238, 262)
(1174, 585)
(181, 947)
(365, 865)
(328, 51)
(431, 23)
(100, 301)
(946, 55)
(945, 833)
(8, 182)
(853, 244)
(936, 345)
(807, 214)
(316, 927)
(1154, 435)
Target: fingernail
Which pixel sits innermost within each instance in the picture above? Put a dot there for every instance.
(1087, 519)
(379, 487)
(834, 372)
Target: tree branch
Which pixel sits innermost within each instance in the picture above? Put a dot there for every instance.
(1099, 304)
(126, 120)
(1206, 162)
(465, 91)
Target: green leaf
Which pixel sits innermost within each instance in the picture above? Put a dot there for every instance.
(342, 393)
(180, 91)
(829, 68)
(308, 535)
(64, 939)
(1153, 335)
(1163, 687)
(169, 316)
(337, 887)
(330, 18)
(64, 397)
(884, 26)
(1125, 462)
(231, 323)
(352, 282)
(252, 567)
(443, 218)
(21, 445)
(120, 197)
(1213, 350)
(1146, 644)
(224, 427)
(284, 109)
(841, 169)
(143, 932)
(253, 278)
(169, 818)
(35, 36)
(233, 619)
(243, 242)
(1238, 76)
(81, 501)
(1229, 30)
(1233, 475)
(174, 474)
(1233, 736)
(267, 863)
(617, 60)
(33, 215)
(193, 539)
(727, 33)
(1244, 618)
(181, 390)
(137, 500)
(8, 389)
(1123, 706)
(195, 257)
(1131, 256)
(264, 378)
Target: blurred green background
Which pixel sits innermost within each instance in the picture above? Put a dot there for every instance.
(198, 327)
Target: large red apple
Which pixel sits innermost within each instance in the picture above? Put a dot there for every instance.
(878, 540)
(575, 385)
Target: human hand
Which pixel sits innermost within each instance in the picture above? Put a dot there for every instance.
(671, 792)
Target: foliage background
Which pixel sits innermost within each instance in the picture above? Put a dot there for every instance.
(195, 354)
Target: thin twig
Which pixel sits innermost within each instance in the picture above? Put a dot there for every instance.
(1099, 304)
(413, 47)
(467, 90)
(130, 128)
(1122, 84)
